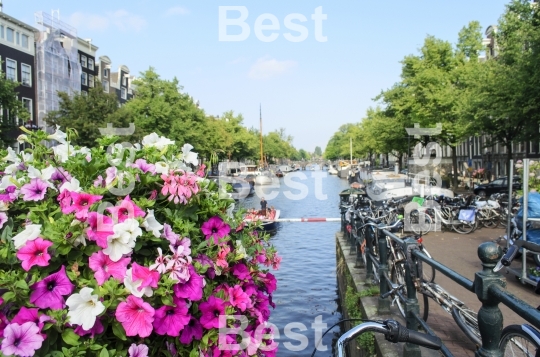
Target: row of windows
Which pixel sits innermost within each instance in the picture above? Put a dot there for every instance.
(7, 119)
(87, 79)
(86, 62)
(26, 72)
(10, 35)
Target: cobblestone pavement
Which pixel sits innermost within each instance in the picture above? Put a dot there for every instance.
(459, 252)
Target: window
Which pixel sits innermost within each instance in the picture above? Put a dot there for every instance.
(24, 41)
(84, 78)
(90, 80)
(125, 81)
(10, 34)
(123, 94)
(90, 64)
(11, 69)
(27, 104)
(2, 31)
(18, 38)
(83, 61)
(26, 73)
(105, 84)
(106, 73)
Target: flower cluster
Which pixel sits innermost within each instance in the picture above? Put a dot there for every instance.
(140, 256)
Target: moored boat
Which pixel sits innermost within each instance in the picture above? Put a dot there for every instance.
(268, 218)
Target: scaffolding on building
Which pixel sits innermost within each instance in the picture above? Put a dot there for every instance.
(57, 63)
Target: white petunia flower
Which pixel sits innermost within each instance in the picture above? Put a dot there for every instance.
(44, 175)
(27, 157)
(63, 152)
(188, 156)
(12, 156)
(73, 186)
(21, 139)
(133, 286)
(154, 140)
(152, 225)
(162, 167)
(58, 135)
(123, 240)
(6, 182)
(84, 308)
(31, 232)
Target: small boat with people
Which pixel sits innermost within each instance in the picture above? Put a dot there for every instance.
(267, 217)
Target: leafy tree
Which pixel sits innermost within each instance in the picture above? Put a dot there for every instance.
(86, 114)
(318, 151)
(17, 114)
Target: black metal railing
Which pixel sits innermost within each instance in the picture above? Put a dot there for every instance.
(487, 285)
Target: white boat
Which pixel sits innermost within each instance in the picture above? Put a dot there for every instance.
(264, 179)
(332, 171)
(385, 185)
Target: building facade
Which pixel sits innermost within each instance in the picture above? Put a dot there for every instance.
(18, 56)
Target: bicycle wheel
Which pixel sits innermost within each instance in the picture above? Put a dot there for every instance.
(515, 342)
(397, 275)
(464, 227)
(414, 221)
(467, 320)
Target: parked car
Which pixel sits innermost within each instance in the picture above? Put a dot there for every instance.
(499, 185)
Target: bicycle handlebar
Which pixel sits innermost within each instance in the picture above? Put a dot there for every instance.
(509, 256)
(393, 331)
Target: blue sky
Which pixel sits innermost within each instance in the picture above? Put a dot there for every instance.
(310, 88)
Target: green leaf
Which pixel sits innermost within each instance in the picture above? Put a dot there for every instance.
(21, 284)
(10, 295)
(119, 331)
(104, 353)
(194, 353)
(57, 354)
(70, 337)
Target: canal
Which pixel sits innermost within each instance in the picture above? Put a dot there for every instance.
(306, 297)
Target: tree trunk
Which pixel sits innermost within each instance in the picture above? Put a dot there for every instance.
(454, 167)
(387, 159)
(400, 161)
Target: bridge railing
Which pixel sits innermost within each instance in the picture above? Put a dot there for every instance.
(487, 285)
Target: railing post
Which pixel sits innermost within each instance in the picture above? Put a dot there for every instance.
(383, 304)
(490, 318)
(411, 350)
(369, 251)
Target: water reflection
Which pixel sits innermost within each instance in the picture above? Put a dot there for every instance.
(307, 285)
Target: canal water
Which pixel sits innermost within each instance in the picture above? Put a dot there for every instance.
(306, 296)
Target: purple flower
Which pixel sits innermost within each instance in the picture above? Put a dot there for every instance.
(111, 175)
(211, 311)
(138, 350)
(172, 237)
(48, 293)
(10, 194)
(215, 228)
(241, 271)
(193, 330)
(21, 340)
(61, 175)
(95, 330)
(35, 190)
(191, 289)
(204, 260)
(170, 320)
(145, 167)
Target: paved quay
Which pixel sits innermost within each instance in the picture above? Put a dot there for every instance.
(459, 252)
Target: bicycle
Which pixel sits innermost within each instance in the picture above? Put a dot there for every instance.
(523, 339)
(465, 318)
(393, 331)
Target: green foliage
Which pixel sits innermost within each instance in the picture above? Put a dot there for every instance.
(17, 114)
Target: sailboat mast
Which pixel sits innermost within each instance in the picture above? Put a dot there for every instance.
(261, 135)
(350, 148)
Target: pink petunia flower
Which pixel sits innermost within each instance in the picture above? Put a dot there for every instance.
(104, 267)
(170, 320)
(48, 293)
(192, 289)
(21, 340)
(125, 210)
(136, 316)
(25, 315)
(81, 204)
(10, 194)
(35, 253)
(147, 276)
(144, 166)
(241, 271)
(61, 176)
(269, 281)
(238, 298)
(100, 228)
(222, 257)
(211, 310)
(35, 190)
(200, 171)
(3, 219)
(3, 323)
(215, 228)
(138, 350)
(64, 198)
(192, 331)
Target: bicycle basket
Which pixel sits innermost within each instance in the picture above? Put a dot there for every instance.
(419, 200)
(467, 215)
